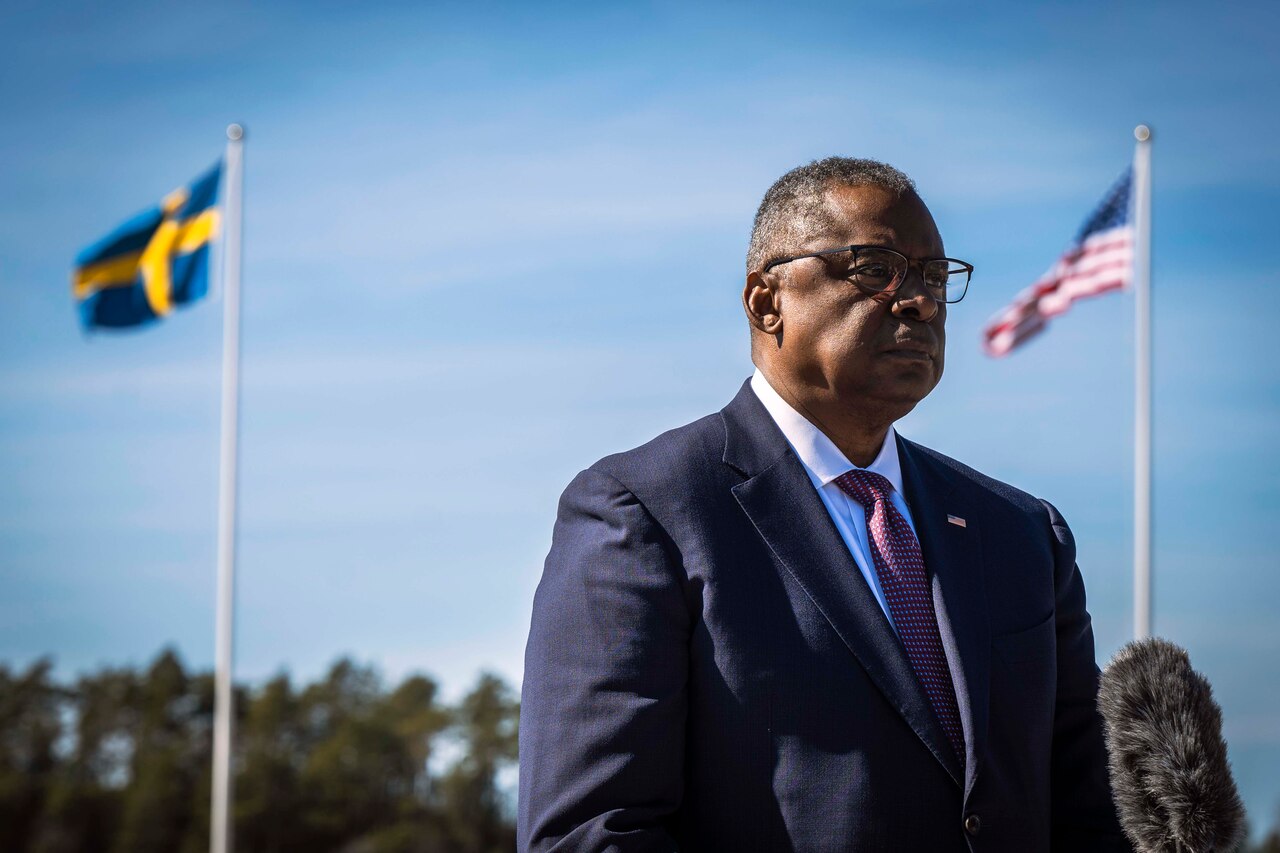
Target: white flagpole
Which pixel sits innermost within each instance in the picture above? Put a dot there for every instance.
(220, 836)
(1142, 385)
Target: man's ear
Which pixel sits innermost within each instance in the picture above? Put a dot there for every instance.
(760, 299)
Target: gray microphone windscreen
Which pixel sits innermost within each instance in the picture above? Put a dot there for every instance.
(1169, 769)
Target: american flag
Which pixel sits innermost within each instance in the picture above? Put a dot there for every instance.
(1099, 259)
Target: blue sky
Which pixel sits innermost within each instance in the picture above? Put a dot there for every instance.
(487, 244)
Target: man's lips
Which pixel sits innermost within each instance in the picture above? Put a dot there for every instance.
(912, 350)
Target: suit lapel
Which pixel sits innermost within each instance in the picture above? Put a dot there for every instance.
(785, 508)
(953, 557)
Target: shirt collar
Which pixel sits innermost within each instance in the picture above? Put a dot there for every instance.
(822, 460)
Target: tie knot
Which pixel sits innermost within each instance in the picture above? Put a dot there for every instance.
(865, 487)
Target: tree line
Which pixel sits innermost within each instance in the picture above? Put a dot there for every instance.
(119, 760)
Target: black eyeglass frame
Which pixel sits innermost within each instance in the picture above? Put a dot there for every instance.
(968, 268)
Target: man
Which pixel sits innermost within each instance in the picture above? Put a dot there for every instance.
(785, 628)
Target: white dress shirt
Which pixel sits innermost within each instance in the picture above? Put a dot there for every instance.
(823, 462)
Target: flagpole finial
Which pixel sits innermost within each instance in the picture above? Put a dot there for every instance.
(1142, 133)
(235, 132)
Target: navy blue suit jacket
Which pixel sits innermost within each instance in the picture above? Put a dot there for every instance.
(707, 669)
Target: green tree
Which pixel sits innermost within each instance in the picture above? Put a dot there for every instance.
(486, 724)
(357, 770)
(1271, 843)
(82, 814)
(169, 757)
(271, 751)
(120, 761)
(30, 724)
(412, 713)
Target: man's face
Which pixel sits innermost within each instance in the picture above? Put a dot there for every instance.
(850, 348)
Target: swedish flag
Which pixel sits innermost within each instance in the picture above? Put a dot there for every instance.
(156, 260)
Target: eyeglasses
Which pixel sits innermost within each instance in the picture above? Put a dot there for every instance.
(876, 269)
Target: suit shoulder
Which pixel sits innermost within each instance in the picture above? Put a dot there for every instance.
(673, 460)
(1003, 492)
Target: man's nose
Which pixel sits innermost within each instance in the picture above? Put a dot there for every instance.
(912, 298)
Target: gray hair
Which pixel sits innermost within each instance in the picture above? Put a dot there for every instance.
(795, 206)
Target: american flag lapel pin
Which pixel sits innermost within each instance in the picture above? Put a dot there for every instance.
(957, 521)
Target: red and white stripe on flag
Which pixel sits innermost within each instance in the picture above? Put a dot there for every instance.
(1100, 259)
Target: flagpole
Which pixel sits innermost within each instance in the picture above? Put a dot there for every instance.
(220, 828)
(1142, 597)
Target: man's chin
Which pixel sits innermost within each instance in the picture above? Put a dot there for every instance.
(911, 382)
(892, 400)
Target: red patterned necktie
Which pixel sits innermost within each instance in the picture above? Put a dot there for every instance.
(900, 568)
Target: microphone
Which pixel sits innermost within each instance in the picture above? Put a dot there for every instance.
(1169, 771)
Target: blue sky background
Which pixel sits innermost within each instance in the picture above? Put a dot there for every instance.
(487, 244)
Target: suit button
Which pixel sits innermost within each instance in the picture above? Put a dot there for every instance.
(973, 824)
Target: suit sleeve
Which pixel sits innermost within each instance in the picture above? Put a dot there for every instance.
(1084, 814)
(602, 715)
